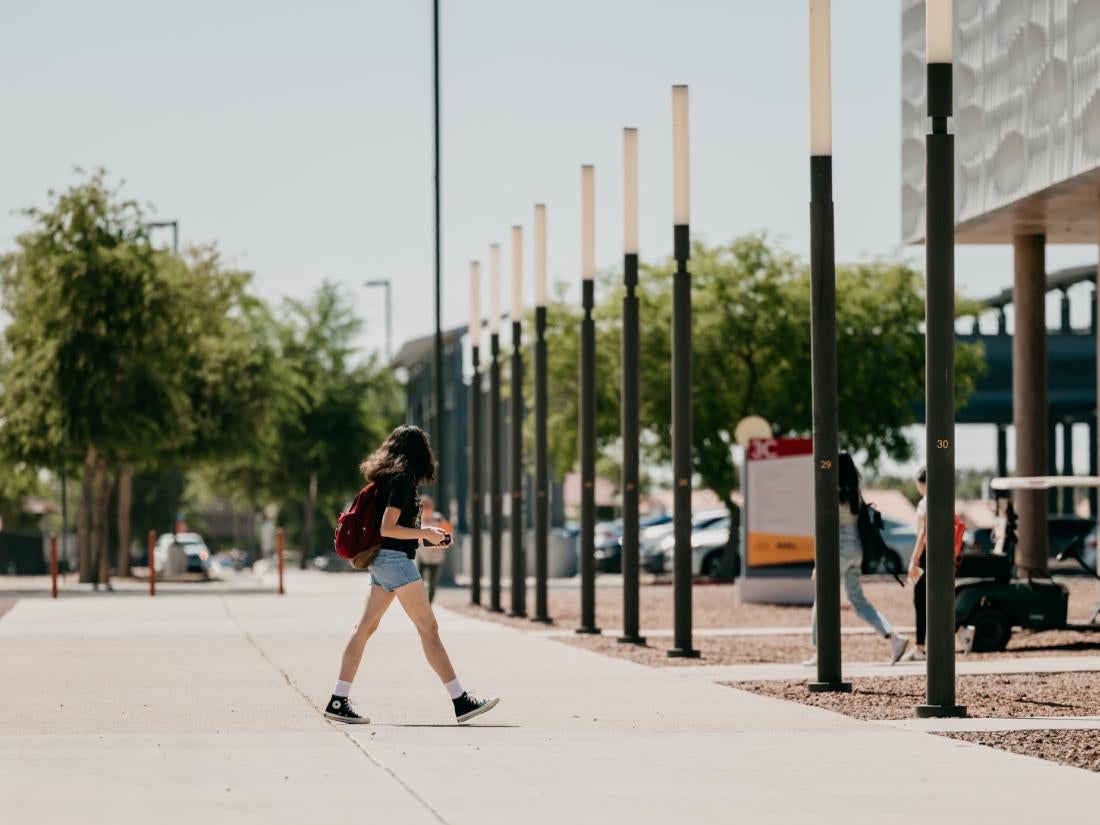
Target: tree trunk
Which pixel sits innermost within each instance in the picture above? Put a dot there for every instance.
(730, 566)
(85, 554)
(307, 521)
(125, 501)
(101, 523)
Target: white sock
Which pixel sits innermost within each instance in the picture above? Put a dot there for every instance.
(342, 689)
(453, 688)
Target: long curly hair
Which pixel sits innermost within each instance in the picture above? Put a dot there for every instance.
(848, 476)
(406, 450)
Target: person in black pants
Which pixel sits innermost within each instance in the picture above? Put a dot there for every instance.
(916, 571)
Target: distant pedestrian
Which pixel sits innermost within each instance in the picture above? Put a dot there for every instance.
(429, 558)
(400, 465)
(917, 565)
(851, 559)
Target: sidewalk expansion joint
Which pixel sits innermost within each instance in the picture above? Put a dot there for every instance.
(338, 728)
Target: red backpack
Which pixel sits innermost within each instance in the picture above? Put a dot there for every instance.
(960, 534)
(358, 535)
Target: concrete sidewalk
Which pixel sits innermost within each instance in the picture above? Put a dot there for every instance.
(185, 707)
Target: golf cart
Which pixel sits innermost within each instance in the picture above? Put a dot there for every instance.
(993, 596)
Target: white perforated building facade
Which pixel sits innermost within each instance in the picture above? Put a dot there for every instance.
(1026, 119)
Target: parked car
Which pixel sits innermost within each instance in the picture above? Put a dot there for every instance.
(706, 538)
(196, 555)
(609, 541)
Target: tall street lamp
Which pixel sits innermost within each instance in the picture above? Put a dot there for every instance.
(477, 509)
(630, 400)
(442, 497)
(518, 527)
(495, 525)
(588, 403)
(681, 381)
(542, 467)
(387, 286)
(939, 389)
(823, 359)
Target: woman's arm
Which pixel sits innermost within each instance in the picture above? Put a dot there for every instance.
(392, 530)
(918, 549)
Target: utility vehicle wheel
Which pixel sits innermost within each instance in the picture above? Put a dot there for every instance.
(712, 565)
(992, 629)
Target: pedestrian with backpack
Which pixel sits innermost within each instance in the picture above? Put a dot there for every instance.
(917, 566)
(383, 530)
(851, 559)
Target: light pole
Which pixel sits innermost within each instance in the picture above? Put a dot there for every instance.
(542, 467)
(681, 381)
(476, 506)
(939, 250)
(588, 403)
(518, 527)
(629, 401)
(494, 430)
(442, 502)
(385, 284)
(823, 358)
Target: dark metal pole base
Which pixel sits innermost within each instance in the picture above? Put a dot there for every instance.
(512, 614)
(542, 619)
(590, 631)
(631, 640)
(682, 653)
(495, 609)
(829, 687)
(940, 711)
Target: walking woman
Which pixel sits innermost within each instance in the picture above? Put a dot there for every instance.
(851, 558)
(400, 465)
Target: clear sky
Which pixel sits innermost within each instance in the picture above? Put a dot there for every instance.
(297, 135)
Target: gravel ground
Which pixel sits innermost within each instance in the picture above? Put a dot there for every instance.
(788, 649)
(717, 605)
(988, 695)
(1078, 748)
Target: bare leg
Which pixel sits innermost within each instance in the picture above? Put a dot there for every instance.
(377, 603)
(414, 599)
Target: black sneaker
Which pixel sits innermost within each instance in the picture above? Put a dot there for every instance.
(339, 708)
(467, 707)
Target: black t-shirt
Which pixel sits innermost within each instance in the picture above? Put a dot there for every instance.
(400, 491)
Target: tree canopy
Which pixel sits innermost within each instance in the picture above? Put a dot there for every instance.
(751, 336)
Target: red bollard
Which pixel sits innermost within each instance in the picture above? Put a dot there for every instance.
(151, 542)
(53, 564)
(280, 549)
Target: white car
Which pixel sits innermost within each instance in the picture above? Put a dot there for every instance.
(709, 535)
(181, 553)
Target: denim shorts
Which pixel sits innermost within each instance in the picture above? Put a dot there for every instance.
(393, 569)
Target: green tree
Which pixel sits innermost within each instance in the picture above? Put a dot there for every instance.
(346, 407)
(751, 341)
(80, 290)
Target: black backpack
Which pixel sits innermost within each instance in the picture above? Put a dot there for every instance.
(875, 549)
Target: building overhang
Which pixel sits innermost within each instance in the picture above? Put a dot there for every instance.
(1067, 212)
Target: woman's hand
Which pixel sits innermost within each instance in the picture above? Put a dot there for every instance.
(433, 536)
(914, 573)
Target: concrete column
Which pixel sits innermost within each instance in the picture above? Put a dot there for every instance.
(1052, 460)
(1067, 463)
(1093, 461)
(1029, 394)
